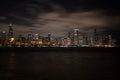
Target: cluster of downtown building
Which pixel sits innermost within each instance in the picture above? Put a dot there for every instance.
(74, 38)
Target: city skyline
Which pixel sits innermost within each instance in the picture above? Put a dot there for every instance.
(74, 38)
(60, 16)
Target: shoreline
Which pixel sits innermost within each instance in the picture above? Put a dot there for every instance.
(91, 49)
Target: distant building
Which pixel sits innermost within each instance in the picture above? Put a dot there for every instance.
(71, 37)
(85, 40)
(95, 35)
(49, 37)
(29, 37)
(76, 39)
(10, 31)
(81, 38)
(4, 39)
(36, 36)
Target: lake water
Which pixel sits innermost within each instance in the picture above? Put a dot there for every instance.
(58, 65)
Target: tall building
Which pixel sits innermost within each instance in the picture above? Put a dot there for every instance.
(29, 37)
(49, 37)
(95, 37)
(110, 39)
(71, 37)
(36, 36)
(76, 39)
(81, 38)
(10, 32)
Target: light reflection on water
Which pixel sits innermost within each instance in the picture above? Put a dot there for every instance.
(11, 65)
(56, 66)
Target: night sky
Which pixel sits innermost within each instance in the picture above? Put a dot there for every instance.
(60, 16)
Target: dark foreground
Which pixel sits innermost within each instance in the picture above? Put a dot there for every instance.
(58, 64)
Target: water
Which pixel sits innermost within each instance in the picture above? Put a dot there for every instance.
(58, 65)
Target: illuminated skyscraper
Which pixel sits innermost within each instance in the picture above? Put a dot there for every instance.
(81, 38)
(71, 37)
(10, 34)
(110, 39)
(76, 39)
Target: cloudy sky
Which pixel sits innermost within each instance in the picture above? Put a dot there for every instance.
(59, 16)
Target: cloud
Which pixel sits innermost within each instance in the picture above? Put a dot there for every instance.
(48, 17)
(54, 22)
(3, 17)
(113, 20)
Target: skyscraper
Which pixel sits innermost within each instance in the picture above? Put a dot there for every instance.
(95, 37)
(49, 37)
(10, 34)
(29, 37)
(76, 34)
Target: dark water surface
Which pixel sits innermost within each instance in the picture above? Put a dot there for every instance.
(58, 65)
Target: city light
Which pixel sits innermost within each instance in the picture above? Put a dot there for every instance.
(75, 38)
(12, 39)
